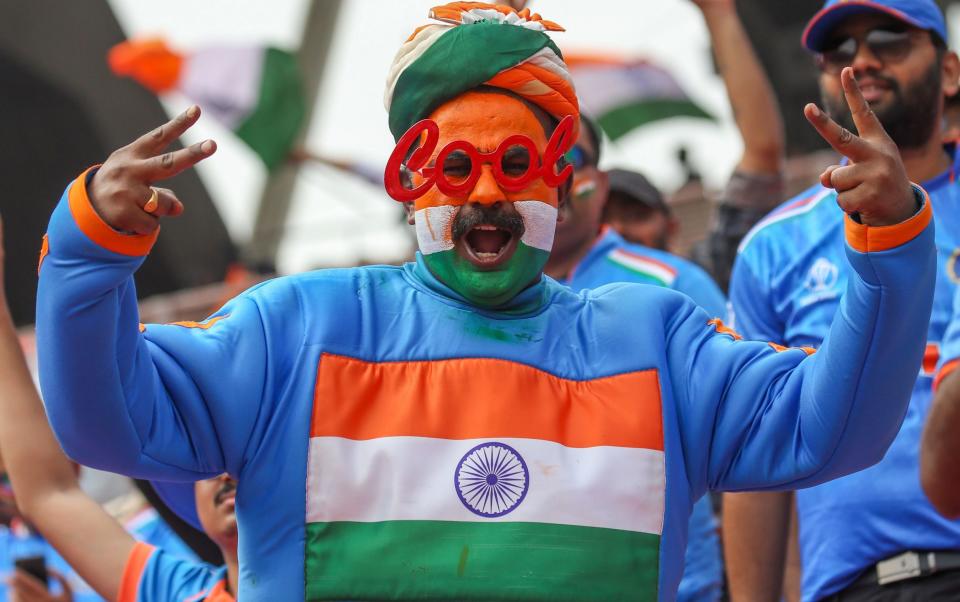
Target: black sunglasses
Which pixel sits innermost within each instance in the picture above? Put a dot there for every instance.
(887, 45)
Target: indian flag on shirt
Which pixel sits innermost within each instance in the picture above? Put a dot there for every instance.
(255, 91)
(482, 479)
(658, 271)
(624, 94)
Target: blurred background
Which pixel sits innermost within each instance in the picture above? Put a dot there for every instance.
(63, 109)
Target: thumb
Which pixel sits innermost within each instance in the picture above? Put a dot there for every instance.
(825, 177)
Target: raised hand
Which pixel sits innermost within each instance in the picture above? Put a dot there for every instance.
(874, 184)
(121, 189)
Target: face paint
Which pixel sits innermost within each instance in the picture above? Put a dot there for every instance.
(464, 207)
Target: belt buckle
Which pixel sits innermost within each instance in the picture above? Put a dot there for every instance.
(898, 568)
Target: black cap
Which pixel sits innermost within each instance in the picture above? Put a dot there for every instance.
(637, 187)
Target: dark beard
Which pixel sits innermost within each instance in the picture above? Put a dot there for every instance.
(472, 215)
(910, 119)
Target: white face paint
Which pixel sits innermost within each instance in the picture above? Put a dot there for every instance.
(434, 226)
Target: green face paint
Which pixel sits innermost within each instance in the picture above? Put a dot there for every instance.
(490, 288)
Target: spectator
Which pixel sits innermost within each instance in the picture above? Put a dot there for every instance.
(860, 536)
(100, 550)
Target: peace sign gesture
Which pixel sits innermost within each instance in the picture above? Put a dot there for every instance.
(874, 184)
(121, 189)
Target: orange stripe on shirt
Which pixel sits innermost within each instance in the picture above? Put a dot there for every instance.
(931, 356)
(944, 371)
(724, 329)
(44, 249)
(867, 239)
(97, 230)
(133, 571)
(475, 398)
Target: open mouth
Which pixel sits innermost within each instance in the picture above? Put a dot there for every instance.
(488, 246)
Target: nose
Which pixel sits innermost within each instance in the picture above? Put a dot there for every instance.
(486, 191)
(865, 60)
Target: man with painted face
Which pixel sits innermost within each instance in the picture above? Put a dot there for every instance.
(872, 535)
(462, 427)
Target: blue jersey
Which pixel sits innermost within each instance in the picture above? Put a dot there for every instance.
(612, 259)
(153, 575)
(391, 440)
(788, 284)
(149, 527)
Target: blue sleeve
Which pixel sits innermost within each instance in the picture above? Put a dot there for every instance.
(171, 402)
(751, 308)
(164, 578)
(699, 286)
(784, 419)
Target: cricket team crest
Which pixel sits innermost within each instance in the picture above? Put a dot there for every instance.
(491, 479)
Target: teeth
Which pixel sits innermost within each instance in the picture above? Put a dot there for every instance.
(483, 255)
(485, 227)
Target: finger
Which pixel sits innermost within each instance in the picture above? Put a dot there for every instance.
(863, 116)
(853, 200)
(841, 139)
(846, 178)
(155, 141)
(170, 164)
(825, 176)
(28, 585)
(167, 204)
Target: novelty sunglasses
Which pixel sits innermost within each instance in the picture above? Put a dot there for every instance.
(515, 162)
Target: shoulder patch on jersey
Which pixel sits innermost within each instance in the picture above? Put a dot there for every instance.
(201, 325)
(643, 265)
(724, 329)
(789, 210)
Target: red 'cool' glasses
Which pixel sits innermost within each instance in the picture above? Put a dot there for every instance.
(515, 162)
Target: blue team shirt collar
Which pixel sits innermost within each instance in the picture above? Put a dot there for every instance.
(529, 301)
(607, 241)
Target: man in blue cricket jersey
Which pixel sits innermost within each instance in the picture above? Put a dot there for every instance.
(871, 535)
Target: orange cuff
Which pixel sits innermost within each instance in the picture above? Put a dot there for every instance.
(97, 230)
(868, 239)
(944, 371)
(133, 571)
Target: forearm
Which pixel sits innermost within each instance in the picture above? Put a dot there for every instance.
(862, 378)
(751, 96)
(755, 527)
(34, 461)
(940, 448)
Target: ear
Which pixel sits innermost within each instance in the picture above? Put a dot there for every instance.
(951, 73)
(408, 208)
(563, 196)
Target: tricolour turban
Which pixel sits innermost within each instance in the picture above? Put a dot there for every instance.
(477, 44)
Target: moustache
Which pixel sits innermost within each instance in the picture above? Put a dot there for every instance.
(467, 219)
(228, 487)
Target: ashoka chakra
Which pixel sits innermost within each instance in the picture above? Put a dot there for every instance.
(491, 479)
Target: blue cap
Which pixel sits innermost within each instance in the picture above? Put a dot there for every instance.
(922, 14)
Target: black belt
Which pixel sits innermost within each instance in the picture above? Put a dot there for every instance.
(909, 565)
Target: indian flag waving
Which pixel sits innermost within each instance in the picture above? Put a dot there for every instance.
(255, 91)
(624, 94)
